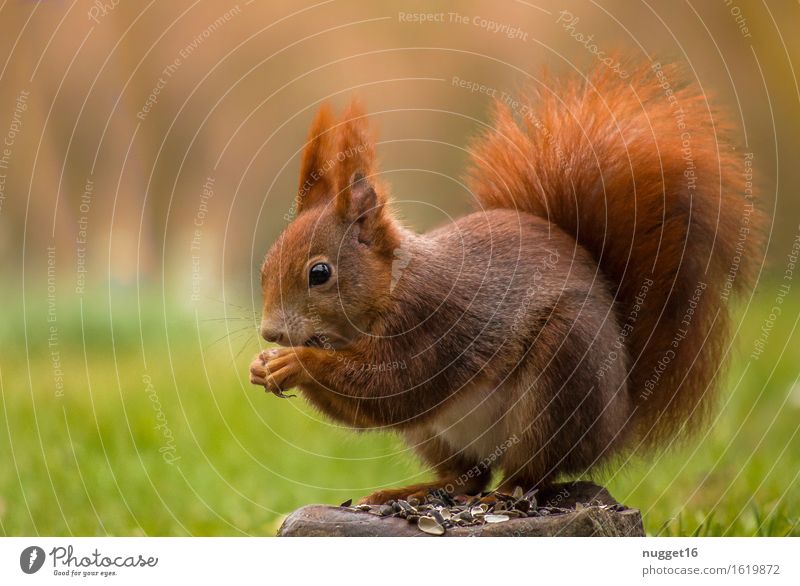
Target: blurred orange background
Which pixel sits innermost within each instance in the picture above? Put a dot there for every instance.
(142, 104)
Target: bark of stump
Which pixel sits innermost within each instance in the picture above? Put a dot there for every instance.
(329, 521)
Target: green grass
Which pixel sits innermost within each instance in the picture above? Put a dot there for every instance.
(88, 462)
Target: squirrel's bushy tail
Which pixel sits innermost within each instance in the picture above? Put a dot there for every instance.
(640, 171)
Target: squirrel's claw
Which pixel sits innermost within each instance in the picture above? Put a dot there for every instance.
(280, 393)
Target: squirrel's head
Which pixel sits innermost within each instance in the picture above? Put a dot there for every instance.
(328, 275)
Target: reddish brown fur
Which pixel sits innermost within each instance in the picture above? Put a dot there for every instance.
(625, 199)
(503, 324)
(314, 189)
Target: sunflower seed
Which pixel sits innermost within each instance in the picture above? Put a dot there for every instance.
(496, 518)
(523, 505)
(465, 516)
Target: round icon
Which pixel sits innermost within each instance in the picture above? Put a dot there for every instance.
(31, 559)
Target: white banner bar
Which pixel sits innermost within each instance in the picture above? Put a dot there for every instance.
(425, 560)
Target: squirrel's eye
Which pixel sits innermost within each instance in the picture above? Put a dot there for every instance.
(319, 274)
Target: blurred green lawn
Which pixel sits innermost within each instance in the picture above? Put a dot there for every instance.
(88, 462)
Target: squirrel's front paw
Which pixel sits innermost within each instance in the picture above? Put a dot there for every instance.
(277, 370)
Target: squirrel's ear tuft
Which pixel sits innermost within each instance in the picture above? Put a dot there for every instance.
(316, 183)
(356, 145)
(359, 199)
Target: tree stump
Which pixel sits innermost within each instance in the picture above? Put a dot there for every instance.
(581, 509)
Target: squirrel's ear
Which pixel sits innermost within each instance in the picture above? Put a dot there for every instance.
(360, 203)
(316, 182)
(359, 200)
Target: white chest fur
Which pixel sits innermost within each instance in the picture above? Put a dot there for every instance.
(474, 424)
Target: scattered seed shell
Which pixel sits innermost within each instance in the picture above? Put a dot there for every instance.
(441, 511)
(479, 510)
(430, 526)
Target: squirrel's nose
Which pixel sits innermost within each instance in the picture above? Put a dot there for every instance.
(271, 334)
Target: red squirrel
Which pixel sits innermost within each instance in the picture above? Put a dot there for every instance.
(581, 312)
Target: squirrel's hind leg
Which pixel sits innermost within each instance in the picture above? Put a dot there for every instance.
(456, 474)
(453, 485)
